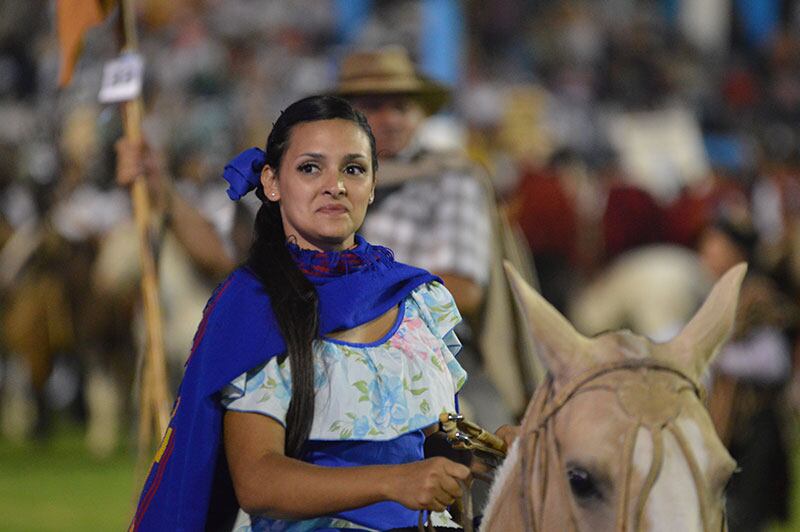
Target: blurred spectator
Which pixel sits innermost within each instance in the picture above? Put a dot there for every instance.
(547, 215)
(632, 218)
(197, 244)
(748, 377)
(435, 210)
(724, 186)
(775, 199)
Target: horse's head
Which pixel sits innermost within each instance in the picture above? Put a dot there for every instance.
(618, 438)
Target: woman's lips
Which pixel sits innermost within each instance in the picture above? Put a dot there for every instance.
(333, 208)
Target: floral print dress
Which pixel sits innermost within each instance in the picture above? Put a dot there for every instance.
(372, 402)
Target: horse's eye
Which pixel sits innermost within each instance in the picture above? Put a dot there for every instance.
(582, 484)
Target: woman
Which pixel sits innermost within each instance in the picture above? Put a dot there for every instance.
(319, 366)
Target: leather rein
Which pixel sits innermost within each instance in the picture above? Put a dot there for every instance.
(463, 435)
(545, 406)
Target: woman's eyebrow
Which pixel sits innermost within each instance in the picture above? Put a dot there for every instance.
(350, 157)
(312, 155)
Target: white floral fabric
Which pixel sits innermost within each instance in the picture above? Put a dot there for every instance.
(375, 391)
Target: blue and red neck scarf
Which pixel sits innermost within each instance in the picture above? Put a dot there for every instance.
(318, 265)
(188, 486)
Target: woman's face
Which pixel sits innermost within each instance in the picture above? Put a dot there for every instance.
(324, 183)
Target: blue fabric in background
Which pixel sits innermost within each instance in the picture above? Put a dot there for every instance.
(728, 152)
(442, 41)
(671, 10)
(760, 20)
(351, 17)
(442, 38)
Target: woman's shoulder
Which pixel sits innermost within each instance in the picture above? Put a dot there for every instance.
(241, 284)
(239, 304)
(436, 306)
(237, 319)
(435, 286)
(432, 293)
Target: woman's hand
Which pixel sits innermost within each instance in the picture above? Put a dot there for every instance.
(299, 490)
(431, 484)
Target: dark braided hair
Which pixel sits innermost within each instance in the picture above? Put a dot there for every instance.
(294, 299)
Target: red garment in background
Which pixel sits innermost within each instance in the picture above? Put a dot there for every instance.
(547, 215)
(687, 217)
(632, 218)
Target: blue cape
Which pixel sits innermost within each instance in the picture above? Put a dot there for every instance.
(188, 486)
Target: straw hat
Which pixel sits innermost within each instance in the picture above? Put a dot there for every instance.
(388, 71)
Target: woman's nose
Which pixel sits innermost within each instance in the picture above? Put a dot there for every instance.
(335, 185)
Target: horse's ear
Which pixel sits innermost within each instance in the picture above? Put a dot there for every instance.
(559, 346)
(700, 341)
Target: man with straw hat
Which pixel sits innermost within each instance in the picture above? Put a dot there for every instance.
(435, 210)
(388, 73)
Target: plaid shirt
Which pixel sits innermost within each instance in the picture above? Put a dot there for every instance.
(439, 223)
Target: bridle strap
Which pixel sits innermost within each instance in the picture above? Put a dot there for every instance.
(582, 379)
(655, 469)
(466, 506)
(543, 412)
(529, 445)
(697, 475)
(425, 521)
(627, 453)
(551, 441)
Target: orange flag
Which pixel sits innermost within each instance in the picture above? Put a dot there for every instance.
(75, 17)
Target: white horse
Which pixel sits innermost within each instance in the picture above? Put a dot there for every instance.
(617, 437)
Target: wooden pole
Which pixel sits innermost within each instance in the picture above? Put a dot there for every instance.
(154, 396)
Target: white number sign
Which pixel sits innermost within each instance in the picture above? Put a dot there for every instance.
(122, 79)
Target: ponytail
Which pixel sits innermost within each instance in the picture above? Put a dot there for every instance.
(294, 298)
(295, 305)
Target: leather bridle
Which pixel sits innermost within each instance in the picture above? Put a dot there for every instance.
(547, 403)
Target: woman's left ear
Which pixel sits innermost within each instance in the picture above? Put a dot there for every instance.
(372, 195)
(269, 180)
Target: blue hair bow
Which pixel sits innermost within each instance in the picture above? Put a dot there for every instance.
(243, 172)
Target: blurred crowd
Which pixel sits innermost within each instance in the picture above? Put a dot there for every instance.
(642, 147)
